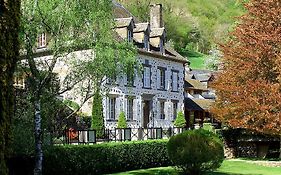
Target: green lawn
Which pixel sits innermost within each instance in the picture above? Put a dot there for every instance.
(197, 62)
(229, 167)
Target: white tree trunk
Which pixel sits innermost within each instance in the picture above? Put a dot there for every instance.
(38, 138)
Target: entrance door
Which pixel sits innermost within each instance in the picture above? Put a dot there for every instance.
(146, 111)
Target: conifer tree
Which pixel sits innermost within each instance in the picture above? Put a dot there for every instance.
(97, 114)
(122, 123)
(180, 120)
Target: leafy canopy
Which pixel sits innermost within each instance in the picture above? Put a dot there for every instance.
(249, 87)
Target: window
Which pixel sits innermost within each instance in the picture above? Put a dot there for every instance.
(112, 107)
(162, 107)
(130, 78)
(129, 35)
(161, 78)
(111, 80)
(146, 42)
(175, 109)
(161, 46)
(175, 81)
(42, 40)
(19, 82)
(130, 109)
(146, 77)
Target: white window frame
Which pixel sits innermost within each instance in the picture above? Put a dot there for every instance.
(130, 107)
(162, 78)
(112, 108)
(146, 76)
(175, 109)
(42, 40)
(175, 82)
(162, 110)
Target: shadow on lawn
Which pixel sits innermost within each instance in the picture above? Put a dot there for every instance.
(171, 172)
(155, 172)
(220, 173)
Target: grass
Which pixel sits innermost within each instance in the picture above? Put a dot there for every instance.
(229, 167)
(197, 62)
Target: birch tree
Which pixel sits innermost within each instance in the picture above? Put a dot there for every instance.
(71, 26)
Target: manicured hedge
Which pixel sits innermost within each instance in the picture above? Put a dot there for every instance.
(105, 158)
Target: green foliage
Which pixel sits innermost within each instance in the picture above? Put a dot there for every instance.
(180, 120)
(105, 158)
(195, 25)
(72, 104)
(122, 123)
(23, 121)
(97, 115)
(196, 151)
(208, 127)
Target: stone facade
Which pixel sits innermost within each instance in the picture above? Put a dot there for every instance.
(151, 96)
(157, 93)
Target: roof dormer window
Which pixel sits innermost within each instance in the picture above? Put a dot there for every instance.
(42, 40)
(146, 42)
(161, 46)
(129, 35)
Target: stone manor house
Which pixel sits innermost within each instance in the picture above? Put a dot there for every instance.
(157, 94)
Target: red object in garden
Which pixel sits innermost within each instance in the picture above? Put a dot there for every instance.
(71, 133)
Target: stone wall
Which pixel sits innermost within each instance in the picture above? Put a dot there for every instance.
(138, 93)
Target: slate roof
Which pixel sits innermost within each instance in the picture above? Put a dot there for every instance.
(141, 27)
(123, 22)
(198, 104)
(157, 32)
(119, 11)
(201, 74)
(194, 84)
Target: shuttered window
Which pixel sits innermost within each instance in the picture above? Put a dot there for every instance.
(146, 77)
(112, 108)
(130, 107)
(42, 40)
(175, 81)
(162, 110)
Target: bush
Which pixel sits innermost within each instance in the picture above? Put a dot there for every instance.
(208, 127)
(122, 121)
(180, 120)
(106, 157)
(196, 151)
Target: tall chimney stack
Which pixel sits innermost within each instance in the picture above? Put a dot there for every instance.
(156, 17)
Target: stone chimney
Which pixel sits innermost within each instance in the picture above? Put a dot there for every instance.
(156, 17)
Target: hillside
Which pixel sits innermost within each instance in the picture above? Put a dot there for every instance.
(192, 25)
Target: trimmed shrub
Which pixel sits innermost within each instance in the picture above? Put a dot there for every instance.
(122, 123)
(196, 151)
(97, 115)
(180, 120)
(208, 127)
(105, 158)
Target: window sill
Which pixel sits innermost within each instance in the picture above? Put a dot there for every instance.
(146, 87)
(111, 120)
(131, 121)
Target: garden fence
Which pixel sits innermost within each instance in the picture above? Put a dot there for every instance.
(72, 136)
